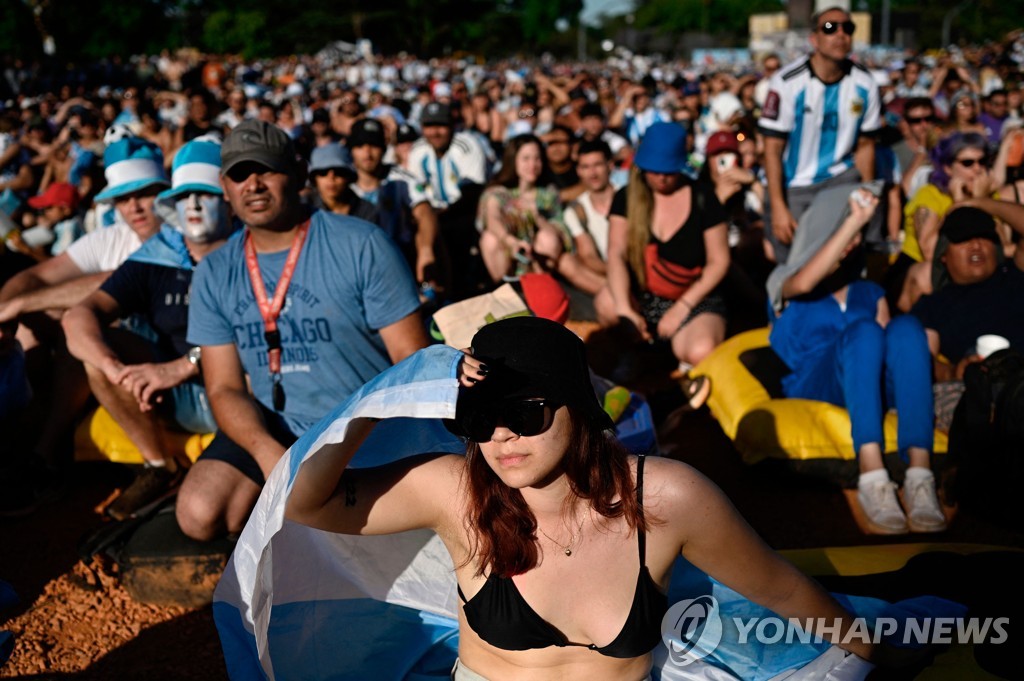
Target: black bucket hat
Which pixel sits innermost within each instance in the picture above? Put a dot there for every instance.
(534, 357)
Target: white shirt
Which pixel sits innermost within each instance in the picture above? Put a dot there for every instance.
(596, 227)
(822, 122)
(105, 249)
(615, 141)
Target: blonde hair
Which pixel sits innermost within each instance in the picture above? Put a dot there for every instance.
(639, 211)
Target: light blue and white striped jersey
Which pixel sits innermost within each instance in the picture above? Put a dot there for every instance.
(637, 123)
(822, 121)
(465, 161)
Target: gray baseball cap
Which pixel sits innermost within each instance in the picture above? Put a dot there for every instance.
(259, 142)
(436, 113)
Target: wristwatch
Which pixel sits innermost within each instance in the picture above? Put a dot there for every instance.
(194, 355)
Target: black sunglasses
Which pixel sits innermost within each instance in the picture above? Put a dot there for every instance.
(523, 417)
(830, 27)
(338, 172)
(914, 120)
(969, 162)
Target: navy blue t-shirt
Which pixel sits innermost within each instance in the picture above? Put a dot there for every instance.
(961, 313)
(157, 294)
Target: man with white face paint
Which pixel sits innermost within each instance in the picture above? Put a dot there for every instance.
(145, 384)
(31, 301)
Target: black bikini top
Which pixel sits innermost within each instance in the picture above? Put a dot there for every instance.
(500, 615)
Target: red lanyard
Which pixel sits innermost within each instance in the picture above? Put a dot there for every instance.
(271, 309)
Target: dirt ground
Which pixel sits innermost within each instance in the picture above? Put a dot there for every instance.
(75, 620)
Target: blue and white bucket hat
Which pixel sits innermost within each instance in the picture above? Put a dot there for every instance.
(132, 164)
(196, 168)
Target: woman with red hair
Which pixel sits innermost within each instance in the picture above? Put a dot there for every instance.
(563, 543)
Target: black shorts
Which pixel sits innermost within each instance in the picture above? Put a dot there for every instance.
(653, 308)
(223, 448)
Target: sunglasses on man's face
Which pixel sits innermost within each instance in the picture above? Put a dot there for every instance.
(336, 172)
(970, 162)
(914, 120)
(830, 27)
(523, 417)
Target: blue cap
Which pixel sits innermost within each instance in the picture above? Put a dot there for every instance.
(663, 149)
(690, 88)
(330, 156)
(132, 164)
(196, 168)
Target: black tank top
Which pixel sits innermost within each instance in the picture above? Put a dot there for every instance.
(500, 615)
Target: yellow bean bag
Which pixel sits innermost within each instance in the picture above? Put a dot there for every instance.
(810, 434)
(99, 438)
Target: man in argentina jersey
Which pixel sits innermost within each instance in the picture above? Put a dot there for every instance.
(453, 168)
(818, 118)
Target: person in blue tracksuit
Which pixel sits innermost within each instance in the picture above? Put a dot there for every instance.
(834, 330)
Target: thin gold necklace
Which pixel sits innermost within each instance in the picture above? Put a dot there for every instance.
(566, 548)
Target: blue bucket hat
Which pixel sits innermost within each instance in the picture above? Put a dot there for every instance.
(663, 149)
(331, 156)
(132, 164)
(196, 168)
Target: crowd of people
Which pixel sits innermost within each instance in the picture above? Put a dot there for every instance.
(206, 244)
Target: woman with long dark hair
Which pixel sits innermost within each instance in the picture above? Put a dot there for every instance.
(563, 543)
(520, 214)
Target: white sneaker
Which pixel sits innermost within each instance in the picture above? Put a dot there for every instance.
(924, 514)
(882, 509)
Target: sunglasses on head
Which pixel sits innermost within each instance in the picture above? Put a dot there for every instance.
(914, 120)
(523, 417)
(969, 162)
(830, 27)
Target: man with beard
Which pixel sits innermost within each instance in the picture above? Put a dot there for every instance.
(292, 314)
(404, 209)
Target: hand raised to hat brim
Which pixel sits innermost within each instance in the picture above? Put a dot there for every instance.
(471, 370)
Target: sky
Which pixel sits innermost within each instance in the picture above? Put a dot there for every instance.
(594, 8)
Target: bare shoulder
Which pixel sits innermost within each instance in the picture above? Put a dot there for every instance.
(439, 473)
(672, 487)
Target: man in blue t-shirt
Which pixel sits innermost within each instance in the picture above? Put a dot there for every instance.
(333, 304)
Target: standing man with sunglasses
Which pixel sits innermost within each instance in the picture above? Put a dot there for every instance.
(817, 119)
(308, 307)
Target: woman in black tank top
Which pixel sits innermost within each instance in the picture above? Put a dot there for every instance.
(668, 252)
(563, 542)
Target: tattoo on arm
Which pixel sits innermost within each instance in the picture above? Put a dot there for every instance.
(920, 215)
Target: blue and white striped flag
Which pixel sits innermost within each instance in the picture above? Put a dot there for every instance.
(300, 603)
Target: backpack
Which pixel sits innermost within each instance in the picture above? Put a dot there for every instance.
(986, 439)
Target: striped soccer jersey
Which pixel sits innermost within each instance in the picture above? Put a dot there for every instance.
(463, 162)
(822, 121)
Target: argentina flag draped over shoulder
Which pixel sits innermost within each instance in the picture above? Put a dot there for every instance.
(300, 603)
(295, 602)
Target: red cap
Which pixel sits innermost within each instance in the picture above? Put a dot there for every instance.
(57, 194)
(722, 141)
(545, 297)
